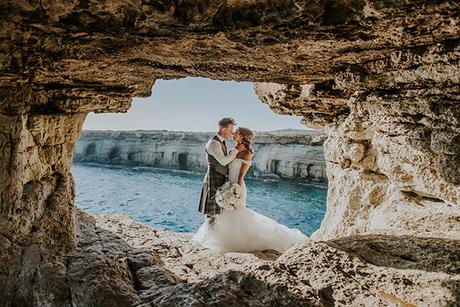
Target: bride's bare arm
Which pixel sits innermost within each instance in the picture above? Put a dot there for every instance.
(244, 167)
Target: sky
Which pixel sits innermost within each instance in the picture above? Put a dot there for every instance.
(194, 104)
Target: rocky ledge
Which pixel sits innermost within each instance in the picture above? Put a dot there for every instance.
(287, 154)
(120, 262)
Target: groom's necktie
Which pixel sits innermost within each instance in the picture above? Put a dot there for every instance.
(224, 147)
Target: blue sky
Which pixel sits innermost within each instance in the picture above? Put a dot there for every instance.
(194, 104)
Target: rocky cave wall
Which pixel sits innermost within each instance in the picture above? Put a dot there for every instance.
(392, 162)
(382, 77)
(37, 225)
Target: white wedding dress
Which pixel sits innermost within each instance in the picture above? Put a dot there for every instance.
(244, 230)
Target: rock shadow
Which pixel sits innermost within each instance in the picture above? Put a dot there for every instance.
(404, 252)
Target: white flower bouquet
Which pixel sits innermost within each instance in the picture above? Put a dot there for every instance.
(229, 196)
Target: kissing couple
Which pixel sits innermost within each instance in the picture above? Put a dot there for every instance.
(240, 229)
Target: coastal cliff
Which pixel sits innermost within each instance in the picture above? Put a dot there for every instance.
(287, 154)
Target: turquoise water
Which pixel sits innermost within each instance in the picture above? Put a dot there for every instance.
(169, 199)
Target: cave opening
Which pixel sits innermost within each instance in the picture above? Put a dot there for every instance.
(90, 149)
(182, 159)
(131, 156)
(275, 167)
(114, 153)
(169, 130)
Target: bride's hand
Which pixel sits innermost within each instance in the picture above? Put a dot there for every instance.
(240, 183)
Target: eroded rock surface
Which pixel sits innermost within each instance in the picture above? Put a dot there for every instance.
(387, 170)
(392, 152)
(152, 266)
(79, 56)
(37, 227)
(392, 158)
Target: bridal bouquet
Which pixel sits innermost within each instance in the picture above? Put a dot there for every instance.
(229, 196)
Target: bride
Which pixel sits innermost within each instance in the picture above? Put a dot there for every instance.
(242, 229)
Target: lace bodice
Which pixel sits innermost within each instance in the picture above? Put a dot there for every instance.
(234, 169)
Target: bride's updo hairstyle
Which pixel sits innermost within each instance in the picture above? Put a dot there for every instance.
(247, 136)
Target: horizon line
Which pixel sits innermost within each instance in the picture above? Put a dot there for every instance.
(133, 130)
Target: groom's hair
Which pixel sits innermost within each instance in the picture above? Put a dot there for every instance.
(226, 121)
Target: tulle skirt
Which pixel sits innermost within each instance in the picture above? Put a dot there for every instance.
(244, 230)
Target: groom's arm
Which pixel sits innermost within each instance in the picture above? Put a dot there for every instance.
(214, 148)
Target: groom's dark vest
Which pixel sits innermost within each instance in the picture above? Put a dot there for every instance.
(212, 162)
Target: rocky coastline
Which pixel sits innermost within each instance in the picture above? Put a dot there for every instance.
(287, 154)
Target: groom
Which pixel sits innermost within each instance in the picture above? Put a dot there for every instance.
(218, 159)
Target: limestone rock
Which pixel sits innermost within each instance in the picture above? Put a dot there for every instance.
(286, 154)
(37, 207)
(359, 270)
(394, 183)
(319, 103)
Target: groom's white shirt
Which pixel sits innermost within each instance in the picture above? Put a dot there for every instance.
(214, 148)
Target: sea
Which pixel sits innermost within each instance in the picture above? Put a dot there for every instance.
(169, 199)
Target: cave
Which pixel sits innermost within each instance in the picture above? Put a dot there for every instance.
(131, 156)
(274, 167)
(90, 150)
(114, 153)
(381, 78)
(182, 159)
(314, 173)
